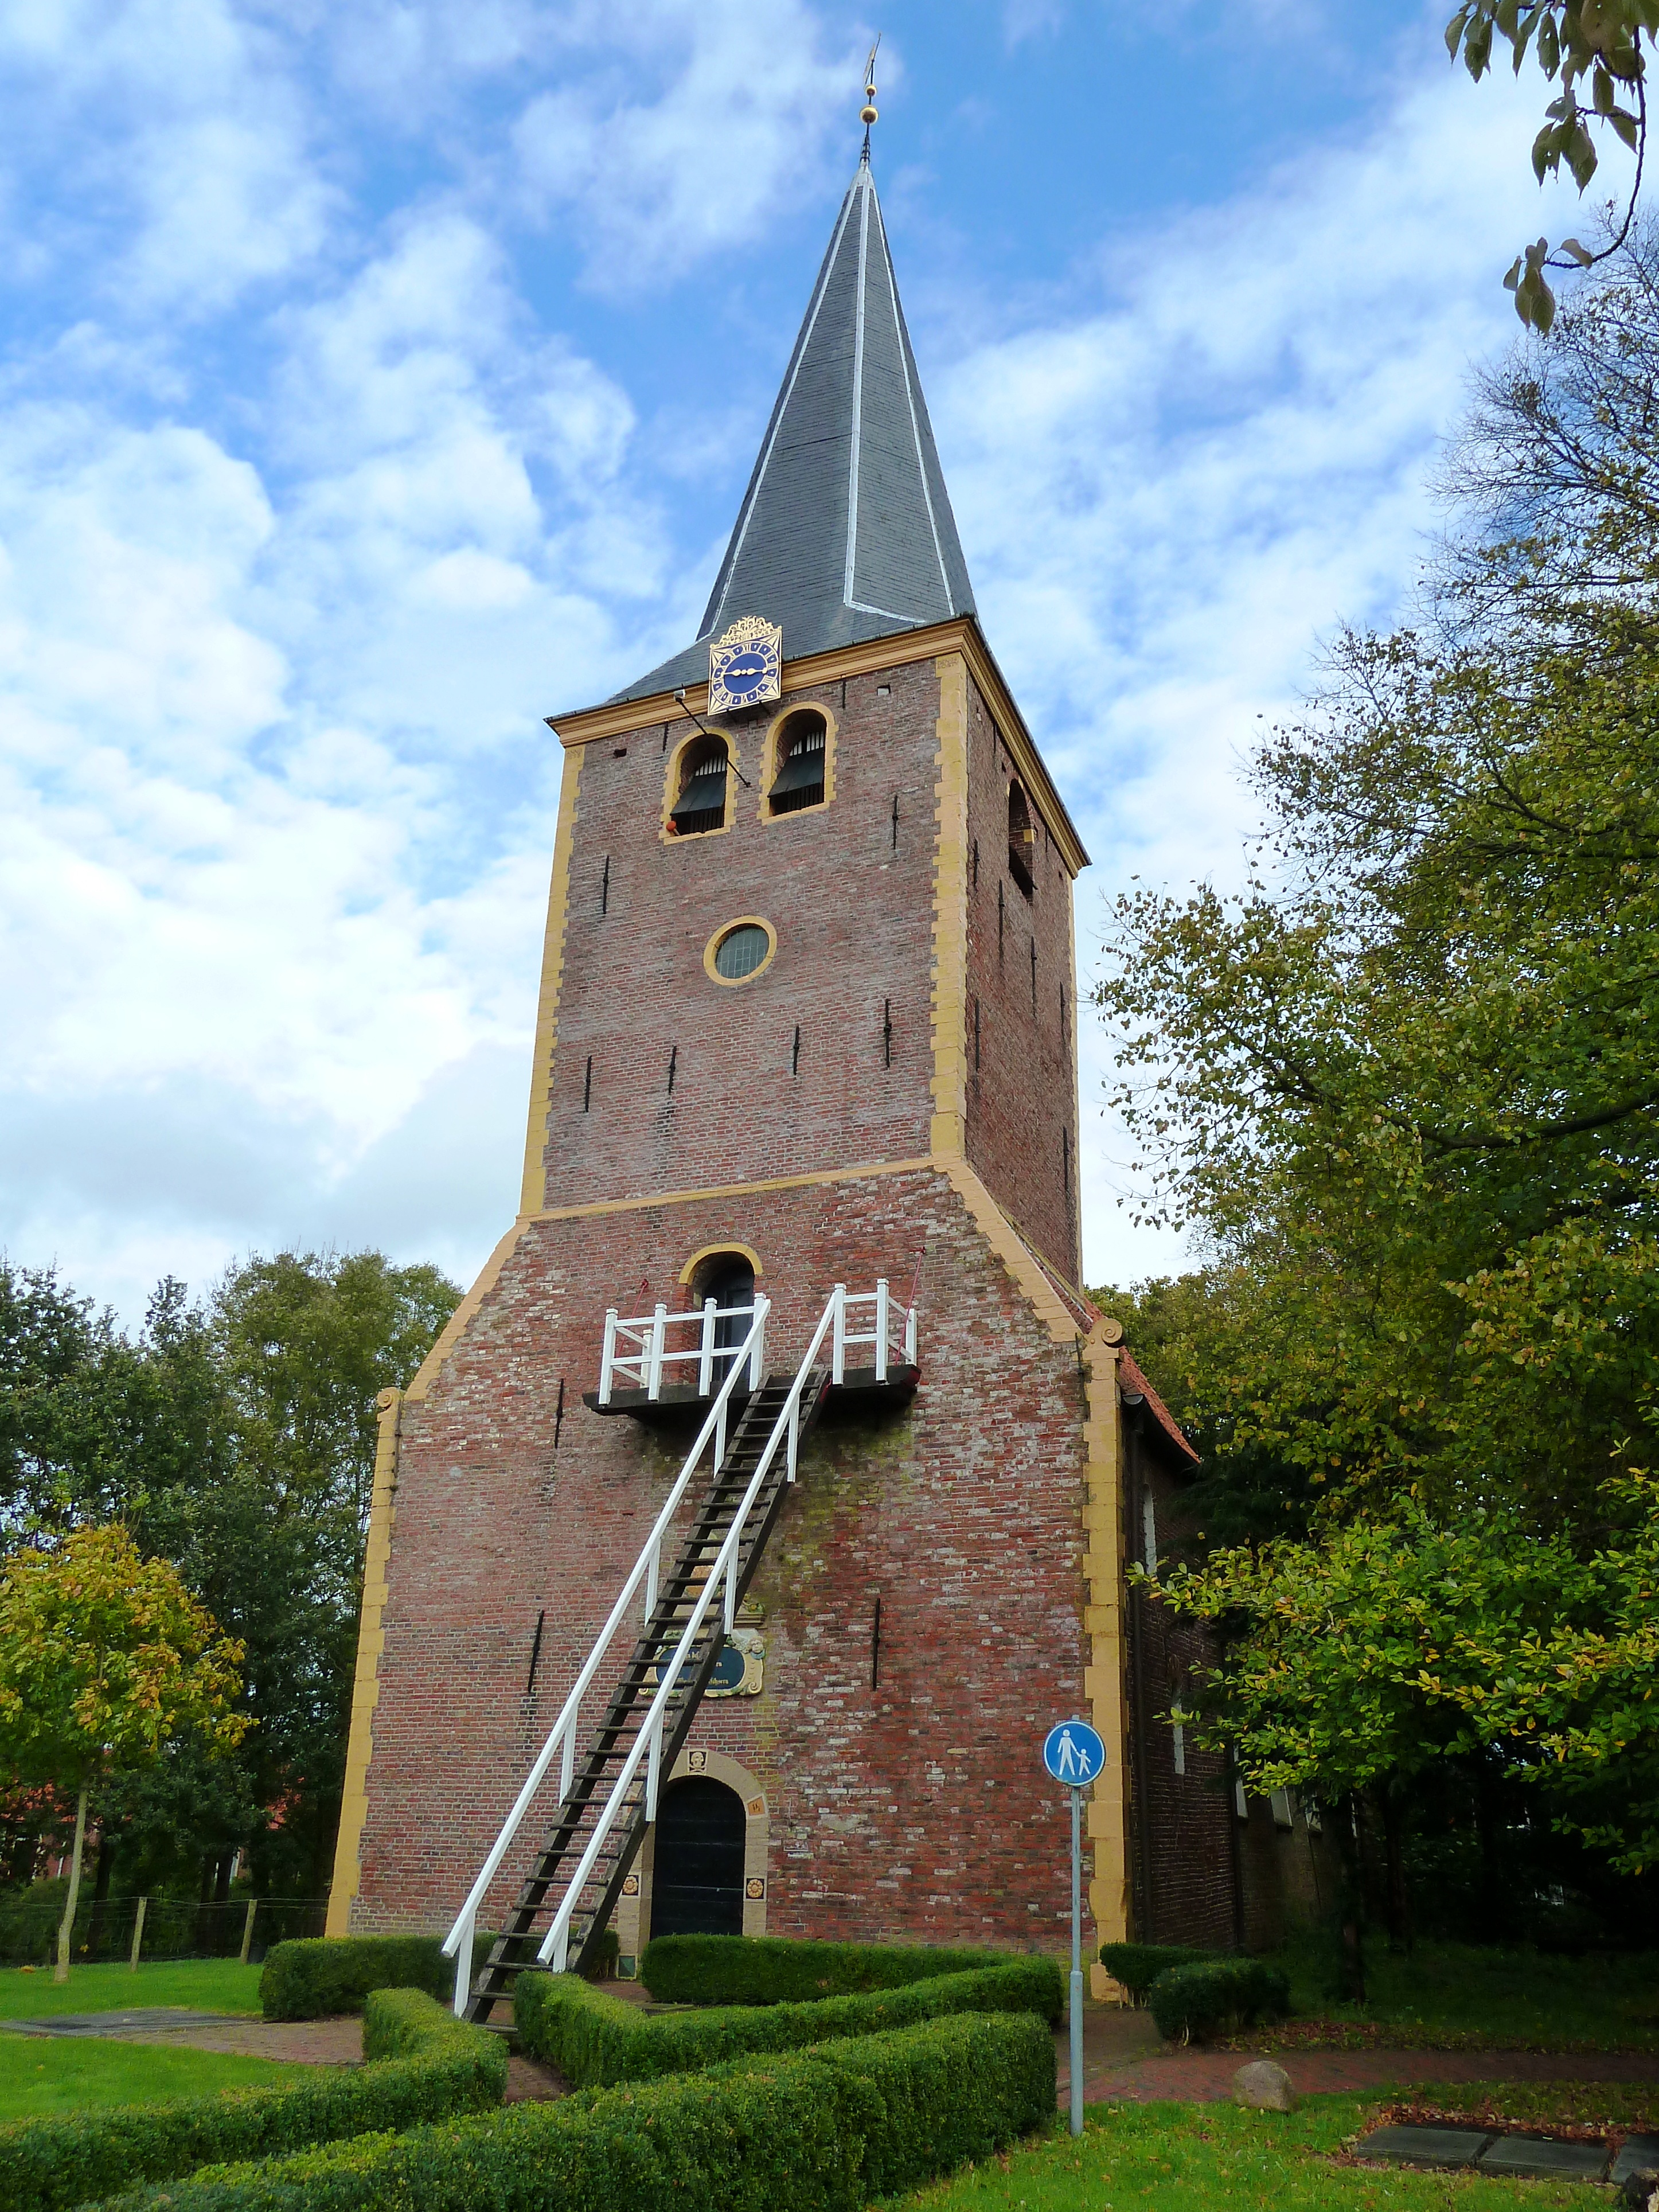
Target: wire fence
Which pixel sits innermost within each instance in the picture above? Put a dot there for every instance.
(149, 1929)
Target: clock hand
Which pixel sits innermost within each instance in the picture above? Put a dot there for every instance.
(708, 732)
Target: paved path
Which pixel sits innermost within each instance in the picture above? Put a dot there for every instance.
(1125, 2065)
(1123, 2058)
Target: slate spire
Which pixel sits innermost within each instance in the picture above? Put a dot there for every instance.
(846, 531)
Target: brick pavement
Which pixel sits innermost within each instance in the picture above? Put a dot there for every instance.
(1123, 2059)
(1153, 2073)
(329, 2043)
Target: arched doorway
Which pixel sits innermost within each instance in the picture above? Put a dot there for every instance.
(696, 1883)
(729, 1279)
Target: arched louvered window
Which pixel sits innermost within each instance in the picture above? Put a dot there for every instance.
(1022, 839)
(802, 751)
(701, 805)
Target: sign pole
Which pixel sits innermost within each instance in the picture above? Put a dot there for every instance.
(1076, 2015)
(1074, 1754)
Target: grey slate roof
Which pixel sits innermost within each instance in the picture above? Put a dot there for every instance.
(846, 531)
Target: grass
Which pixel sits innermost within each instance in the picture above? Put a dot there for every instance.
(197, 1984)
(1453, 1992)
(1214, 2158)
(40, 2079)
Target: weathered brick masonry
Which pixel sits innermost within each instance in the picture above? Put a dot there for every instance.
(916, 1806)
(892, 1093)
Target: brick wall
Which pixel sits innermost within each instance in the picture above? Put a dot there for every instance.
(1291, 1877)
(1021, 1090)
(1184, 1873)
(849, 892)
(917, 1807)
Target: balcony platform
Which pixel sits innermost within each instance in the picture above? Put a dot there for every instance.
(676, 1401)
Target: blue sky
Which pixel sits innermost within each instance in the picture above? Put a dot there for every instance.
(377, 380)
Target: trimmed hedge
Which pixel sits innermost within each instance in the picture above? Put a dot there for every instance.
(750, 1969)
(320, 1975)
(1138, 1965)
(1195, 2003)
(596, 2040)
(822, 2130)
(427, 2067)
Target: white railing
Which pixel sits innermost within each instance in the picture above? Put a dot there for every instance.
(881, 1335)
(652, 1352)
(562, 1743)
(723, 1577)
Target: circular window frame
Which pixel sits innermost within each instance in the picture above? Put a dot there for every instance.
(739, 921)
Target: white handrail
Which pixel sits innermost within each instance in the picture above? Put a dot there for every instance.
(555, 1944)
(881, 1336)
(652, 1352)
(458, 1944)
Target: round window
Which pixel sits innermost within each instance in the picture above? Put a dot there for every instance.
(741, 951)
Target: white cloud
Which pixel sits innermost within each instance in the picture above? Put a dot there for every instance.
(186, 143)
(693, 125)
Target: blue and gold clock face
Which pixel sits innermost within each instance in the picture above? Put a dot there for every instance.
(744, 673)
(745, 666)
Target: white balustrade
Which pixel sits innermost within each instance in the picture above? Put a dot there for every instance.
(652, 1350)
(561, 1742)
(880, 1336)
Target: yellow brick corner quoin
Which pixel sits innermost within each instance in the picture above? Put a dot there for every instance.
(366, 1688)
(1105, 1677)
(534, 1196)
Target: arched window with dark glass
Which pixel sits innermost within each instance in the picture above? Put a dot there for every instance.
(802, 751)
(1022, 841)
(701, 805)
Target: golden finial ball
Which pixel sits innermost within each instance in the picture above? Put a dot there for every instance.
(867, 114)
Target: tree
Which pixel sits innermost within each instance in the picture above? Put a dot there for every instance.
(1397, 1643)
(304, 1344)
(1407, 1085)
(1603, 44)
(236, 1440)
(105, 1660)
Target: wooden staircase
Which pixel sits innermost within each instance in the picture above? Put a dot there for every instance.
(595, 1774)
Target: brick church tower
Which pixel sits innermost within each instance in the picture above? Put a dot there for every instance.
(807, 1020)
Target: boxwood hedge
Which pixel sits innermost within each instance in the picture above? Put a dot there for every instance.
(751, 1970)
(596, 2039)
(819, 2131)
(1138, 1965)
(325, 1974)
(1193, 2003)
(425, 2066)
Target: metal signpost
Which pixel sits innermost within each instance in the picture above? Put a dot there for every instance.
(1073, 1753)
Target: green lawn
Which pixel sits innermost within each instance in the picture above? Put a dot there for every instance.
(197, 1984)
(1213, 2158)
(1518, 1996)
(40, 2077)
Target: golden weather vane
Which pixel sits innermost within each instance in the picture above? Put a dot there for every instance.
(869, 114)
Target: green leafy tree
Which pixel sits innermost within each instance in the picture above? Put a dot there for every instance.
(1406, 1084)
(302, 1345)
(1596, 51)
(105, 1660)
(236, 1441)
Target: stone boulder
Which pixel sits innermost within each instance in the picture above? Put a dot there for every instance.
(1262, 2087)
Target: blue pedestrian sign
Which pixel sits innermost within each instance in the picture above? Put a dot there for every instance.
(1073, 1753)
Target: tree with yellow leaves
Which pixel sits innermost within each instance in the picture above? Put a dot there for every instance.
(105, 1659)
